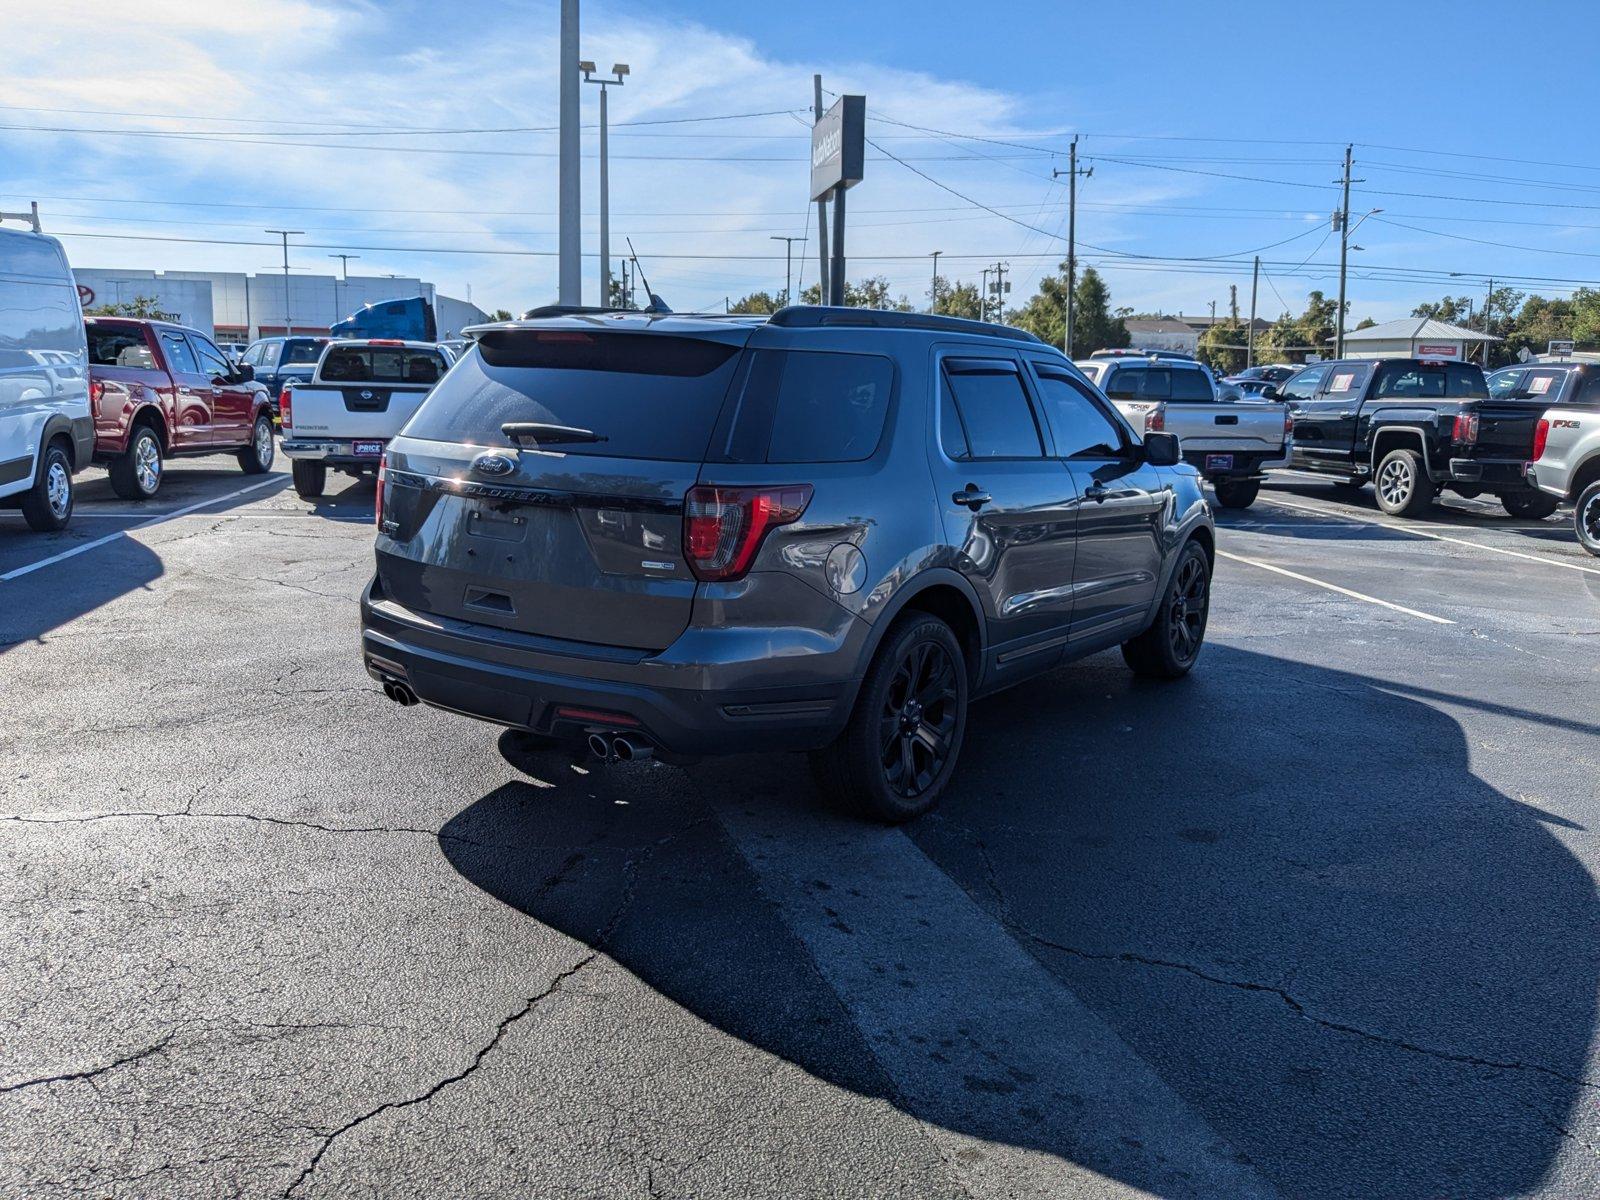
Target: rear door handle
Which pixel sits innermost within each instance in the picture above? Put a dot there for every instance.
(972, 497)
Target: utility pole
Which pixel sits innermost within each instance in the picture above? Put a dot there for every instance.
(1072, 174)
(933, 289)
(999, 288)
(619, 70)
(983, 295)
(824, 292)
(1250, 334)
(344, 266)
(1233, 301)
(788, 260)
(569, 238)
(1488, 303)
(286, 234)
(1344, 254)
(1213, 312)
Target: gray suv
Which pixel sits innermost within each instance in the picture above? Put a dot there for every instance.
(823, 531)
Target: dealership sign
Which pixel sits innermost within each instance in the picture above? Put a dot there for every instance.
(85, 295)
(1439, 350)
(838, 146)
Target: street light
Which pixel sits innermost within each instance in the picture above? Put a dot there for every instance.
(286, 234)
(344, 263)
(619, 71)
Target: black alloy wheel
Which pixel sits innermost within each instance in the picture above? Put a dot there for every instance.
(917, 725)
(1187, 610)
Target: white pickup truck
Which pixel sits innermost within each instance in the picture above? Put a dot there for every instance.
(1230, 442)
(360, 396)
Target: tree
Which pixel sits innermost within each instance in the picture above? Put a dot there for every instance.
(867, 293)
(1366, 323)
(955, 300)
(1541, 321)
(1454, 310)
(1291, 338)
(1095, 327)
(757, 302)
(139, 306)
(501, 314)
(1223, 346)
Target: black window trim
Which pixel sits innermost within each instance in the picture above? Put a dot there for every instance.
(989, 364)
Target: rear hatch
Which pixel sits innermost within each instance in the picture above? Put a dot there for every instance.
(365, 390)
(579, 540)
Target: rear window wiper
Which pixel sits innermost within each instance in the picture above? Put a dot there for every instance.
(540, 433)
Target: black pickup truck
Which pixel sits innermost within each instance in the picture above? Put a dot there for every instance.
(1413, 427)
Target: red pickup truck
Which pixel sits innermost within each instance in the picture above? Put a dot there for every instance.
(157, 390)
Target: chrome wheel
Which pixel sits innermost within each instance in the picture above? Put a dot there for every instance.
(918, 723)
(263, 444)
(1396, 480)
(1186, 613)
(58, 487)
(147, 464)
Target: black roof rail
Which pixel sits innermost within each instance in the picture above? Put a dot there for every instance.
(806, 316)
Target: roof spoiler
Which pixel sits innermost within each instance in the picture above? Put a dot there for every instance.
(810, 316)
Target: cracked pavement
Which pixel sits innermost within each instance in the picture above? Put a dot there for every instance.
(1319, 921)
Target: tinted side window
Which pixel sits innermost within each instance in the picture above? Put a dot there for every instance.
(118, 348)
(211, 360)
(1505, 383)
(180, 359)
(809, 406)
(1190, 384)
(994, 409)
(1076, 421)
(1346, 380)
(1544, 384)
(269, 354)
(1304, 385)
(1591, 389)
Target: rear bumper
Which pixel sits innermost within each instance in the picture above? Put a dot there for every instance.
(1234, 464)
(513, 680)
(1508, 473)
(1552, 482)
(333, 451)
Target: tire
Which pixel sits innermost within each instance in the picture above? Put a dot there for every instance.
(137, 472)
(1535, 506)
(256, 458)
(1237, 493)
(1402, 484)
(310, 478)
(1586, 518)
(47, 505)
(918, 673)
(1172, 644)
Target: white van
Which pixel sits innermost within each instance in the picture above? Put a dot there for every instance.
(46, 431)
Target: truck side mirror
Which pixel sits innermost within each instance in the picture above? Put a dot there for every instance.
(246, 373)
(1270, 392)
(1162, 449)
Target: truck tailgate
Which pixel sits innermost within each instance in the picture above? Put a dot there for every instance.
(1243, 428)
(354, 410)
(1505, 428)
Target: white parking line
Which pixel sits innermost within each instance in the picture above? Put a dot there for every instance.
(122, 533)
(1439, 537)
(1333, 587)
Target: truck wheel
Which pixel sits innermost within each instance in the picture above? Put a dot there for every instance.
(309, 478)
(895, 757)
(256, 458)
(1237, 493)
(1536, 506)
(1403, 486)
(136, 473)
(1169, 648)
(47, 505)
(1586, 518)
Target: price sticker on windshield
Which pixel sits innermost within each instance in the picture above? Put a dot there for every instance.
(1539, 386)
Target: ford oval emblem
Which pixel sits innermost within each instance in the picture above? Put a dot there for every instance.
(493, 464)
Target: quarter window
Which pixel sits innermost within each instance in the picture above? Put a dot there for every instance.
(993, 409)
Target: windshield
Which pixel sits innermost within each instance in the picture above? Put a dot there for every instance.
(302, 352)
(649, 395)
(1426, 380)
(382, 364)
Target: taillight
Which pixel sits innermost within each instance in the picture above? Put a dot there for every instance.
(1465, 432)
(97, 389)
(383, 479)
(285, 412)
(1155, 421)
(723, 527)
(1288, 422)
(1541, 435)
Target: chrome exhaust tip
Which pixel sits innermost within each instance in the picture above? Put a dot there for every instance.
(400, 693)
(600, 748)
(630, 749)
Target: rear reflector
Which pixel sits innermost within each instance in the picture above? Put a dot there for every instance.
(594, 716)
(723, 527)
(1541, 436)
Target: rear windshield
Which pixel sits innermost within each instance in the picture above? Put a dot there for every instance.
(1453, 381)
(382, 364)
(302, 352)
(111, 347)
(650, 396)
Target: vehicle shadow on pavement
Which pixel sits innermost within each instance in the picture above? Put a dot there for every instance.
(32, 605)
(1365, 969)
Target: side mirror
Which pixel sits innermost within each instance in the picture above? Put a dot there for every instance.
(1270, 392)
(1162, 449)
(246, 373)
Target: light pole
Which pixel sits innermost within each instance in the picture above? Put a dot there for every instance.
(286, 234)
(569, 237)
(344, 264)
(788, 257)
(933, 288)
(618, 70)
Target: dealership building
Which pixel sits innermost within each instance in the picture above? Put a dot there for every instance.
(236, 307)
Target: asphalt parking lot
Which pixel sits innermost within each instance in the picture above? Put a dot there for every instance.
(1318, 921)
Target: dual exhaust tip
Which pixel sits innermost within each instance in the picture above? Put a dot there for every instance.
(400, 693)
(620, 747)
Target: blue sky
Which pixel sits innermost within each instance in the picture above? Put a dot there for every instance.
(1213, 131)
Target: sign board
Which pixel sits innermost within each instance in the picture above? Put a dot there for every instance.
(838, 146)
(1439, 350)
(1561, 347)
(85, 295)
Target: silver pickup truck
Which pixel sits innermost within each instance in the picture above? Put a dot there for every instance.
(1230, 442)
(1566, 451)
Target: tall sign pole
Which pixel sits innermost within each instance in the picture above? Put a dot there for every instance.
(838, 156)
(822, 202)
(569, 286)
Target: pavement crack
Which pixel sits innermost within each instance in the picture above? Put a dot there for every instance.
(532, 1002)
(1300, 1010)
(186, 814)
(92, 1072)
